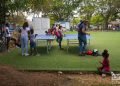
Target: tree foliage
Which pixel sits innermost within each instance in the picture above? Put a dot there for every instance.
(107, 9)
(64, 9)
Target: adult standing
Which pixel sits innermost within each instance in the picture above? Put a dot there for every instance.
(82, 37)
(7, 35)
(24, 39)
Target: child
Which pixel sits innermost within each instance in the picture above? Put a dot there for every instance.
(59, 36)
(33, 49)
(46, 32)
(105, 68)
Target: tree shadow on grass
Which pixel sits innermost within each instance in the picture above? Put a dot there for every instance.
(43, 50)
(72, 50)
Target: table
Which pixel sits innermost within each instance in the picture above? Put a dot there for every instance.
(48, 39)
(73, 39)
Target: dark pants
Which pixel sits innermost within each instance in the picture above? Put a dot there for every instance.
(82, 43)
(33, 49)
(7, 42)
(59, 40)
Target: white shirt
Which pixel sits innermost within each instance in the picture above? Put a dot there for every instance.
(7, 33)
(25, 31)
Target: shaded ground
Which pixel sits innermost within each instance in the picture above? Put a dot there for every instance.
(11, 77)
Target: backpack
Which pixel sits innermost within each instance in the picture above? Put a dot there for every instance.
(95, 52)
(89, 52)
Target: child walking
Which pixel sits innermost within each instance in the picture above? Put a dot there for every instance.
(105, 68)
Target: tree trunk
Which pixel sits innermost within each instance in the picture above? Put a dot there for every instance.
(106, 23)
(2, 21)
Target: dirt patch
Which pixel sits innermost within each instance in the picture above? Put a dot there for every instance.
(11, 77)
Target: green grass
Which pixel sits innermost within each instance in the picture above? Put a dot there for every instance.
(61, 60)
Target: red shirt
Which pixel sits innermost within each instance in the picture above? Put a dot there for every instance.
(105, 65)
(58, 33)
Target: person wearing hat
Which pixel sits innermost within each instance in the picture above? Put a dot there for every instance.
(82, 37)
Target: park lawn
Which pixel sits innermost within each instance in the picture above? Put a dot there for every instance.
(68, 61)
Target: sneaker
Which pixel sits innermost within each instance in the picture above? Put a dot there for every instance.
(26, 54)
(17, 46)
(103, 75)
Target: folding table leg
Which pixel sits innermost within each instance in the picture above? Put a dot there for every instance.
(67, 44)
(37, 47)
(47, 46)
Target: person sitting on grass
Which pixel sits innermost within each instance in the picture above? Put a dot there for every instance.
(33, 49)
(105, 68)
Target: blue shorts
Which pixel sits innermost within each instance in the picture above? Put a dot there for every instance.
(32, 44)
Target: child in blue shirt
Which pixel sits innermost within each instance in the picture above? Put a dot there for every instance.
(33, 50)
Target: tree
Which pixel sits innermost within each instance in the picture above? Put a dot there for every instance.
(63, 9)
(2, 15)
(86, 9)
(107, 8)
(38, 6)
(96, 19)
(2, 21)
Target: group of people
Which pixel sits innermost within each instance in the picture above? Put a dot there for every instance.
(27, 33)
(58, 32)
(105, 68)
(24, 34)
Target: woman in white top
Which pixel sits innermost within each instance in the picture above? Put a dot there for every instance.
(24, 39)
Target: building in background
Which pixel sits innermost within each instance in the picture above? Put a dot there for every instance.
(64, 24)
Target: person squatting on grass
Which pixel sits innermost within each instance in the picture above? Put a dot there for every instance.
(15, 37)
(33, 49)
(82, 37)
(105, 68)
(24, 39)
(59, 36)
